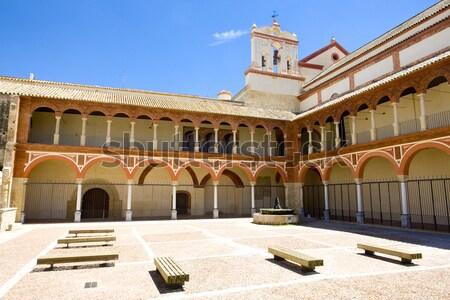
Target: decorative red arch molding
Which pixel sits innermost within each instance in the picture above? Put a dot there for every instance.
(196, 164)
(106, 159)
(366, 157)
(332, 162)
(276, 167)
(45, 158)
(153, 163)
(305, 168)
(243, 167)
(411, 153)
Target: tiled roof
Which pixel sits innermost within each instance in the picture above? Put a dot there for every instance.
(364, 50)
(67, 91)
(378, 83)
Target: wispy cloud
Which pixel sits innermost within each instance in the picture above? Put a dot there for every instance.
(228, 36)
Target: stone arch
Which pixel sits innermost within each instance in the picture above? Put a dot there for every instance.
(366, 157)
(114, 161)
(244, 168)
(196, 164)
(271, 166)
(411, 153)
(37, 106)
(331, 163)
(304, 169)
(149, 165)
(45, 158)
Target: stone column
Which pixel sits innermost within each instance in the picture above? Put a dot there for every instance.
(176, 144)
(310, 142)
(354, 136)
(252, 142)
(155, 136)
(323, 145)
(108, 130)
(216, 210)
(129, 212)
(302, 208)
(83, 131)
(395, 124)
(269, 141)
(132, 123)
(216, 140)
(373, 129)
(360, 209)
(423, 118)
(197, 143)
(337, 140)
(174, 200)
(24, 197)
(78, 205)
(252, 185)
(326, 212)
(234, 149)
(406, 217)
(56, 135)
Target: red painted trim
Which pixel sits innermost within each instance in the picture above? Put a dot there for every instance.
(322, 50)
(310, 66)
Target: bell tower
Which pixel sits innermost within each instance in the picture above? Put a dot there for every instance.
(273, 79)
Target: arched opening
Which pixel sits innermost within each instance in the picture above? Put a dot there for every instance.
(188, 135)
(96, 127)
(363, 124)
(95, 204)
(120, 130)
(304, 141)
(437, 106)
(409, 111)
(183, 199)
(344, 129)
(279, 138)
(208, 143)
(42, 126)
(313, 194)
(143, 132)
(70, 128)
(227, 143)
(330, 134)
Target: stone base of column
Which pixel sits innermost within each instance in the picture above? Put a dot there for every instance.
(129, 215)
(216, 214)
(77, 216)
(326, 215)
(196, 149)
(174, 214)
(234, 150)
(253, 211)
(360, 217)
(22, 217)
(406, 221)
(155, 145)
(251, 149)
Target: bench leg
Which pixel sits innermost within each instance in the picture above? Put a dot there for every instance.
(406, 261)
(306, 269)
(277, 258)
(368, 252)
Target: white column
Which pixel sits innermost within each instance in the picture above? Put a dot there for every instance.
(359, 201)
(155, 136)
(56, 135)
(405, 218)
(129, 195)
(252, 142)
(78, 204)
(286, 199)
(132, 133)
(310, 143)
(197, 143)
(326, 213)
(302, 208)
(269, 146)
(216, 210)
(354, 138)
(216, 140)
(24, 197)
(423, 118)
(337, 140)
(108, 131)
(83, 131)
(253, 210)
(373, 130)
(176, 139)
(234, 149)
(174, 200)
(322, 139)
(395, 124)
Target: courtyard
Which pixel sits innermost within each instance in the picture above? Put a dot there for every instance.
(226, 259)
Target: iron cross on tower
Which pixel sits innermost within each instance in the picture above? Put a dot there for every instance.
(275, 14)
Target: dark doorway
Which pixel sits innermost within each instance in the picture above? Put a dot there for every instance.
(183, 203)
(95, 204)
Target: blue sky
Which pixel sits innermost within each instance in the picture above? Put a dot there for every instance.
(196, 47)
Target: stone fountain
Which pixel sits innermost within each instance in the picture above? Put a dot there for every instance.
(275, 215)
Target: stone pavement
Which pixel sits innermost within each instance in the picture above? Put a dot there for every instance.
(227, 259)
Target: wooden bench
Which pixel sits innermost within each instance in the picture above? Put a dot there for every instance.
(170, 271)
(73, 258)
(306, 261)
(406, 257)
(88, 231)
(90, 239)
